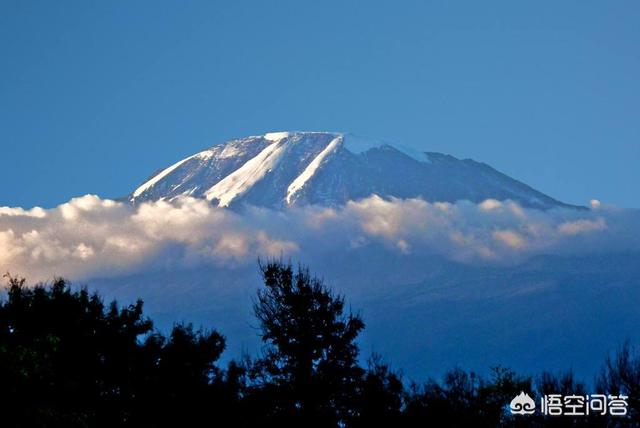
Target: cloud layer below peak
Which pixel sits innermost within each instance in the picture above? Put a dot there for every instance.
(89, 236)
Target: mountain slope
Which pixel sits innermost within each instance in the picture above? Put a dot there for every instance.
(295, 168)
(427, 314)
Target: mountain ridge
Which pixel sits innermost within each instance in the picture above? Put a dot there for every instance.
(284, 169)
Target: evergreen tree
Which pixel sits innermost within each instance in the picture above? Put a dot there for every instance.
(309, 368)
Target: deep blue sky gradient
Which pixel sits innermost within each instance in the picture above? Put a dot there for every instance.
(95, 96)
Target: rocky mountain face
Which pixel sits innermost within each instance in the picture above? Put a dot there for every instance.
(283, 169)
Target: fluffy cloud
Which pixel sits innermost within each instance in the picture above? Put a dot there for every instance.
(89, 236)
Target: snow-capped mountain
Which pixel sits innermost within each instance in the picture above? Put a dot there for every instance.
(283, 169)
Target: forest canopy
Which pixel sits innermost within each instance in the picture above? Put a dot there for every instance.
(68, 359)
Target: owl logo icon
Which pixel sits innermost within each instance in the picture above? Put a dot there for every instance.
(522, 404)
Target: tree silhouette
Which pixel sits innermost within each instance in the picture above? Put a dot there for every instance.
(464, 399)
(380, 396)
(621, 375)
(68, 360)
(309, 367)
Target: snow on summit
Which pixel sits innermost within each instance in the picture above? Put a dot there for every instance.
(310, 170)
(254, 170)
(283, 169)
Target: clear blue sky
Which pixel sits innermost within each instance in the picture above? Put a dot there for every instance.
(95, 96)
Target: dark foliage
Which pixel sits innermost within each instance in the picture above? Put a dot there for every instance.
(309, 368)
(379, 399)
(621, 375)
(67, 359)
(464, 399)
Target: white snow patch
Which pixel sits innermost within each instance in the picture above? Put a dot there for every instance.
(229, 151)
(189, 192)
(206, 154)
(149, 184)
(276, 136)
(310, 170)
(246, 176)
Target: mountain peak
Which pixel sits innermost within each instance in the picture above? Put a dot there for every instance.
(287, 168)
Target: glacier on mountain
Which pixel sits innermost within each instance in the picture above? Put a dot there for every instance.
(283, 169)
